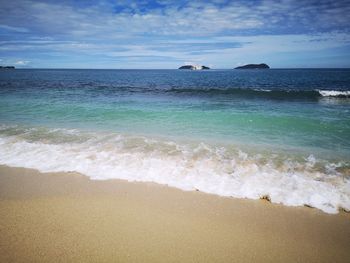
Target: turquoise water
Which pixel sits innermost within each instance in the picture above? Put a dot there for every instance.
(242, 133)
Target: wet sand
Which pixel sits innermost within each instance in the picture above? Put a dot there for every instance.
(65, 217)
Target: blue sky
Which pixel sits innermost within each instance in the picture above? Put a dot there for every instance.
(168, 34)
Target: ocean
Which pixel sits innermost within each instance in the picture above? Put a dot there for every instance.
(279, 134)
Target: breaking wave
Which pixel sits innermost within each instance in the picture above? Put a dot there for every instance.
(252, 92)
(335, 93)
(216, 169)
(278, 94)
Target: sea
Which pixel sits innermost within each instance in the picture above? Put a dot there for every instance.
(277, 134)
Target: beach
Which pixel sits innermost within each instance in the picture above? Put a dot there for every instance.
(174, 131)
(66, 217)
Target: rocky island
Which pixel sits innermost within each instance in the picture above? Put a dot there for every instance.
(193, 67)
(7, 67)
(254, 66)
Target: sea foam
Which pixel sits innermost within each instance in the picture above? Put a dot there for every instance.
(220, 170)
(334, 93)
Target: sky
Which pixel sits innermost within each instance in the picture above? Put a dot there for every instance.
(168, 34)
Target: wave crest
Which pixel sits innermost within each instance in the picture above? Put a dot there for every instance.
(335, 93)
(277, 94)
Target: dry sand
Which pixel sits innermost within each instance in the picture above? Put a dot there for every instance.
(69, 218)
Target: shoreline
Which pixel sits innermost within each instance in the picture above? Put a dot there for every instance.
(68, 217)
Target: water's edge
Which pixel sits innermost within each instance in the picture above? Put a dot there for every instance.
(214, 169)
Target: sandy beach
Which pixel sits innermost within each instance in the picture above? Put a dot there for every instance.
(68, 218)
(175, 131)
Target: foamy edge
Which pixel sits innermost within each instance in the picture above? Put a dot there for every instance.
(202, 167)
(334, 93)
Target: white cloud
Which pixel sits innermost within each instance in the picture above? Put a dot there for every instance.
(21, 62)
(196, 18)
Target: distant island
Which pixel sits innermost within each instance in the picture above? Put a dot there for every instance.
(254, 66)
(7, 67)
(194, 67)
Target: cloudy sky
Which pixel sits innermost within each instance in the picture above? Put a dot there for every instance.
(168, 34)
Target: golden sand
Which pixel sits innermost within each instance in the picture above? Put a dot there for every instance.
(66, 217)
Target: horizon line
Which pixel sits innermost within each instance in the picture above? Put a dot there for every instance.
(178, 68)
